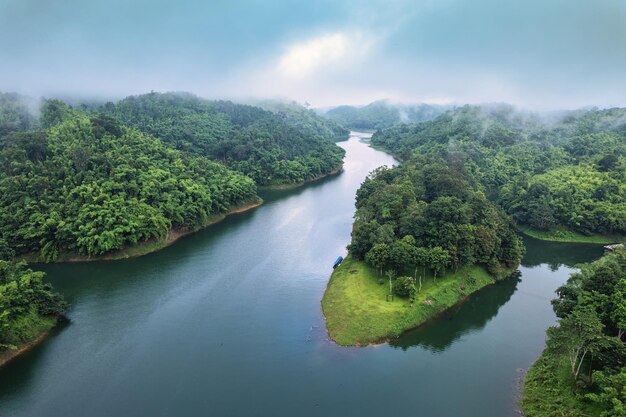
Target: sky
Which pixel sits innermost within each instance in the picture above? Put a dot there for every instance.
(541, 54)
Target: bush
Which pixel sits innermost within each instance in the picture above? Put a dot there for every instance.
(405, 287)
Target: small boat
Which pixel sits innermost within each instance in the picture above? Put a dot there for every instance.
(338, 262)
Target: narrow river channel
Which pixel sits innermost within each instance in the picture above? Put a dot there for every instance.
(228, 322)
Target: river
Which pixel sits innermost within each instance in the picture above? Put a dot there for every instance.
(228, 322)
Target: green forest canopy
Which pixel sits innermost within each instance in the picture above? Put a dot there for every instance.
(567, 171)
(290, 145)
(82, 181)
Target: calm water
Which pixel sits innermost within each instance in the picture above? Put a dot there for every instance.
(227, 322)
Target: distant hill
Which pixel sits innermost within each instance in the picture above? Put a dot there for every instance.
(382, 114)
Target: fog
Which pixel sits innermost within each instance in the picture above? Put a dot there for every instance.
(536, 54)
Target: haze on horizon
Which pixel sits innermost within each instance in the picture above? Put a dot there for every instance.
(536, 53)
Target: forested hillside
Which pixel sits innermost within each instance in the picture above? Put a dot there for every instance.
(562, 174)
(583, 369)
(88, 185)
(108, 177)
(285, 147)
(382, 114)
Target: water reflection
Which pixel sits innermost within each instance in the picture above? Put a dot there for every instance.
(468, 317)
(555, 254)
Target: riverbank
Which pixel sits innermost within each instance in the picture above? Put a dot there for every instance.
(45, 327)
(568, 236)
(549, 390)
(357, 313)
(279, 187)
(150, 246)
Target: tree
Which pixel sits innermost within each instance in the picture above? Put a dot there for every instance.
(405, 287)
(378, 256)
(619, 308)
(578, 334)
(438, 259)
(422, 257)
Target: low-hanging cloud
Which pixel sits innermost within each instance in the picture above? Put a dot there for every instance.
(334, 49)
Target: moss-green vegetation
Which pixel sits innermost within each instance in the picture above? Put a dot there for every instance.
(564, 235)
(358, 313)
(28, 307)
(549, 390)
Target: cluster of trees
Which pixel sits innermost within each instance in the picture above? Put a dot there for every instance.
(86, 184)
(382, 114)
(109, 176)
(592, 332)
(27, 305)
(563, 172)
(287, 145)
(427, 213)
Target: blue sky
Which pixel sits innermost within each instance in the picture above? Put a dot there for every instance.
(534, 53)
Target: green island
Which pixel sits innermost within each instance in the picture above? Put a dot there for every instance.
(582, 371)
(423, 234)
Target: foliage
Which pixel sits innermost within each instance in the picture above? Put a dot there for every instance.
(27, 305)
(289, 146)
(428, 213)
(589, 338)
(565, 173)
(89, 185)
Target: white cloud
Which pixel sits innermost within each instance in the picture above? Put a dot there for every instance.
(305, 58)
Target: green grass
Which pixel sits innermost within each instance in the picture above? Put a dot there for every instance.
(357, 312)
(564, 235)
(549, 390)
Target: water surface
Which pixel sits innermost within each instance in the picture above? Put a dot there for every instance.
(228, 322)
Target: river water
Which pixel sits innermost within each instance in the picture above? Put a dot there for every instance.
(228, 322)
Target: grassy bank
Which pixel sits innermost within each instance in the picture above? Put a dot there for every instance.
(549, 390)
(357, 312)
(564, 235)
(144, 248)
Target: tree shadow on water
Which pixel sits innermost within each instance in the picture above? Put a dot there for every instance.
(466, 318)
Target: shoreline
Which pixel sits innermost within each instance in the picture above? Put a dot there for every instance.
(147, 247)
(344, 313)
(566, 236)
(285, 187)
(174, 234)
(9, 355)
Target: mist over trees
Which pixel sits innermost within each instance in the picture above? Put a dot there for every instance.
(290, 146)
(382, 114)
(107, 177)
(564, 172)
